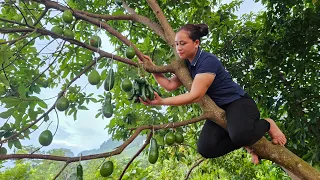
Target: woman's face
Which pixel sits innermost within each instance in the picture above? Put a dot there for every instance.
(185, 47)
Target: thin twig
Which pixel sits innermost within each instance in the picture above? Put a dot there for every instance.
(229, 42)
(60, 51)
(13, 22)
(195, 165)
(137, 154)
(15, 40)
(61, 171)
(4, 67)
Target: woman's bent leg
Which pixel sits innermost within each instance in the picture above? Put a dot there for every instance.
(214, 141)
(243, 122)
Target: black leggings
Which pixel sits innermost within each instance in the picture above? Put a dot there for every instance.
(244, 128)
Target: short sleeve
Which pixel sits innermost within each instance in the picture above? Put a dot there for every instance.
(210, 64)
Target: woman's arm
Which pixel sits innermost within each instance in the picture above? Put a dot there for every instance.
(168, 84)
(200, 85)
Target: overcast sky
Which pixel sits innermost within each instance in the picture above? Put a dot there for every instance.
(88, 132)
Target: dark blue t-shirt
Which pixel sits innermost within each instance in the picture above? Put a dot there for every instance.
(223, 89)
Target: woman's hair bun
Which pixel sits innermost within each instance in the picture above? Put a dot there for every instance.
(196, 31)
(203, 28)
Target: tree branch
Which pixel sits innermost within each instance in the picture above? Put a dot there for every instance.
(52, 107)
(168, 31)
(133, 17)
(137, 154)
(308, 99)
(195, 165)
(286, 83)
(107, 154)
(12, 22)
(174, 124)
(60, 51)
(98, 23)
(72, 41)
(15, 40)
(41, 16)
(146, 21)
(67, 163)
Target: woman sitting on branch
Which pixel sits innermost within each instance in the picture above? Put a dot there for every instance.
(244, 126)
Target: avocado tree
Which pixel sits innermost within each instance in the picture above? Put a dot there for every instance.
(274, 55)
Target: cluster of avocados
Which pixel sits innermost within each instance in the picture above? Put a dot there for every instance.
(67, 17)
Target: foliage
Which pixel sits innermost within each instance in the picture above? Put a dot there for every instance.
(236, 165)
(274, 55)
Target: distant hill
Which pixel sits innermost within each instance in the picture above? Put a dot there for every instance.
(110, 145)
(68, 152)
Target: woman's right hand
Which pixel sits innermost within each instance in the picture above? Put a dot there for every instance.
(147, 58)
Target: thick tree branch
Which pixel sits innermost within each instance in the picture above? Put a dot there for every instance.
(133, 17)
(137, 154)
(195, 165)
(98, 23)
(146, 21)
(168, 31)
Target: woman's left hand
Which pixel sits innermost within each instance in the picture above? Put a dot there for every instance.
(156, 101)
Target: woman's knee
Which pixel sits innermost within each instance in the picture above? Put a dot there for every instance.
(242, 137)
(204, 150)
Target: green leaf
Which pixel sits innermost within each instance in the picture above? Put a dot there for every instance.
(83, 108)
(94, 100)
(36, 89)
(10, 143)
(42, 104)
(32, 114)
(4, 80)
(7, 113)
(5, 54)
(11, 101)
(17, 144)
(34, 127)
(97, 115)
(18, 119)
(22, 91)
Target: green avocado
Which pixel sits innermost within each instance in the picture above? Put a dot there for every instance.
(109, 81)
(106, 169)
(153, 151)
(107, 109)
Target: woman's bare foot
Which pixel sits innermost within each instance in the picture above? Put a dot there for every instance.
(276, 134)
(254, 156)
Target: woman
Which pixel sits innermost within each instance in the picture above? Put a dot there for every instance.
(244, 126)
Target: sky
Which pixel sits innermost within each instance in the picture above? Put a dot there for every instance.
(88, 132)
